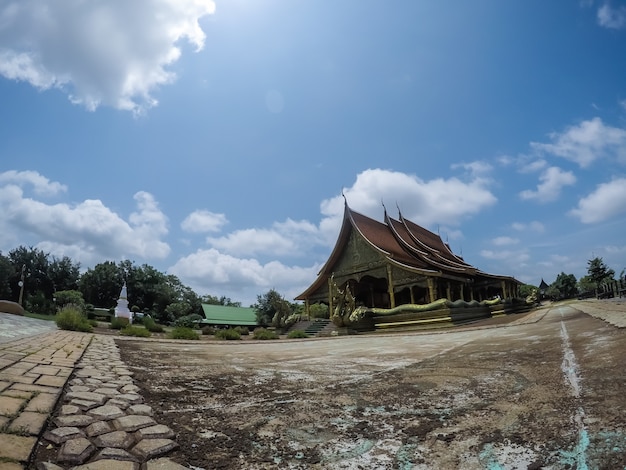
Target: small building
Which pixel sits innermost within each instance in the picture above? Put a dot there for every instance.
(221, 316)
(398, 262)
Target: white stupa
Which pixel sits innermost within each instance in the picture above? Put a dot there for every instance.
(121, 310)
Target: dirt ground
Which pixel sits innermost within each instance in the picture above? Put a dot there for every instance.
(545, 391)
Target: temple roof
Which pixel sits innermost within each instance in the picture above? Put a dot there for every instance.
(404, 243)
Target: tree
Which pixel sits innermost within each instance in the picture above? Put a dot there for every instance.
(101, 285)
(265, 308)
(64, 273)
(599, 272)
(565, 284)
(586, 285)
(6, 272)
(223, 300)
(38, 287)
(527, 289)
(73, 297)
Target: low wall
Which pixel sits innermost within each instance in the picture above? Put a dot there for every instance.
(7, 306)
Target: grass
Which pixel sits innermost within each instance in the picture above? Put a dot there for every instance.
(297, 334)
(71, 318)
(262, 333)
(39, 316)
(182, 332)
(117, 323)
(138, 331)
(230, 333)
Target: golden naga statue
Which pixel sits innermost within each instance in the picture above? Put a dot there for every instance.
(344, 302)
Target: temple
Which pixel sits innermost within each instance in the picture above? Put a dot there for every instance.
(387, 265)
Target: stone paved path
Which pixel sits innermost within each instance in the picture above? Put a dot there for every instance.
(13, 327)
(102, 423)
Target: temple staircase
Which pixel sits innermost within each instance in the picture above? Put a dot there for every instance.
(317, 327)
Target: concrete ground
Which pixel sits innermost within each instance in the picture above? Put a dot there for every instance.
(543, 390)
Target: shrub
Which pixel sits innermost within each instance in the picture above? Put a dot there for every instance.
(230, 333)
(262, 333)
(71, 318)
(208, 330)
(135, 331)
(151, 325)
(182, 332)
(117, 323)
(242, 330)
(297, 334)
(188, 321)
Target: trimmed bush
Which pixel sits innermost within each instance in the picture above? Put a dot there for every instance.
(188, 321)
(262, 333)
(230, 333)
(152, 326)
(182, 332)
(242, 330)
(135, 331)
(297, 334)
(208, 330)
(71, 318)
(117, 323)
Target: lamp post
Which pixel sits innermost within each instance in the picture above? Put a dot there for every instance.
(21, 284)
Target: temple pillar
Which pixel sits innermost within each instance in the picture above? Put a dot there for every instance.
(503, 287)
(330, 296)
(432, 289)
(462, 291)
(307, 308)
(392, 297)
(448, 291)
(412, 294)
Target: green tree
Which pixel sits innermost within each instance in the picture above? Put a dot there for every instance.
(265, 308)
(72, 297)
(101, 285)
(586, 285)
(6, 272)
(223, 300)
(527, 289)
(565, 284)
(38, 287)
(64, 273)
(599, 272)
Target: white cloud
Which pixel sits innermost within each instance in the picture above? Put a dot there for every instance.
(438, 201)
(41, 185)
(533, 166)
(612, 18)
(289, 238)
(89, 230)
(552, 181)
(100, 53)
(202, 221)
(608, 200)
(476, 169)
(512, 257)
(586, 142)
(503, 241)
(241, 279)
(534, 226)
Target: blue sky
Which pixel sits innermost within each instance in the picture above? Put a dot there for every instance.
(213, 140)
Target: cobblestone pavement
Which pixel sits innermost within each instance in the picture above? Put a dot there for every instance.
(102, 423)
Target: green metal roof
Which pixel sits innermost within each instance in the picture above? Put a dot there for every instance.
(222, 315)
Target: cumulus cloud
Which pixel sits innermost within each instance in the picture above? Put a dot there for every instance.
(88, 230)
(534, 226)
(552, 181)
(41, 185)
(586, 142)
(607, 201)
(503, 241)
(437, 201)
(202, 221)
(515, 258)
(612, 18)
(100, 53)
(209, 271)
(289, 238)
